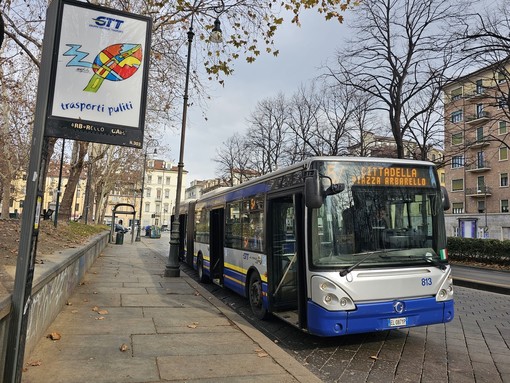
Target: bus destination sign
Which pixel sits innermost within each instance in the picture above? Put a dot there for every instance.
(392, 176)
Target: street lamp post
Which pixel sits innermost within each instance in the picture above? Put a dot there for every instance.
(172, 268)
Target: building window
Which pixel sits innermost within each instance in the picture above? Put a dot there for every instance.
(479, 86)
(457, 162)
(479, 111)
(502, 102)
(480, 160)
(458, 184)
(148, 192)
(456, 94)
(480, 183)
(481, 206)
(504, 206)
(167, 193)
(479, 134)
(503, 179)
(167, 180)
(160, 180)
(458, 207)
(502, 127)
(503, 153)
(457, 138)
(456, 116)
(149, 179)
(147, 207)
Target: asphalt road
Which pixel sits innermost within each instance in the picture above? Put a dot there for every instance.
(474, 347)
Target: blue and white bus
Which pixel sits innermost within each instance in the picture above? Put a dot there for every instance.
(332, 245)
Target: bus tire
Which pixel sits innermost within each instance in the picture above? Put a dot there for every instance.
(255, 296)
(200, 268)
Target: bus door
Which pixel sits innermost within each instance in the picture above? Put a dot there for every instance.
(285, 258)
(216, 245)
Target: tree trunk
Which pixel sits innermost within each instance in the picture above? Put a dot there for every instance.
(79, 152)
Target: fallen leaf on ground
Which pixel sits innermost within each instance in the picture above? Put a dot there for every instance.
(374, 357)
(102, 312)
(95, 308)
(54, 336)
(193, 325)
(123, 347)
(100, 318)
(35, 363)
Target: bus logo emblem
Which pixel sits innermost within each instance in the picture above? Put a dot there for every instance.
(398, 307)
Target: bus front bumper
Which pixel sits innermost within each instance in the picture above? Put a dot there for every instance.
(380, 316)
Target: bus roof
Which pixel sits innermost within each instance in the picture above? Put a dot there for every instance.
(305, 165)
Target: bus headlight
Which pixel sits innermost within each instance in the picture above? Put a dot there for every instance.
(445, 292)
(329, 295)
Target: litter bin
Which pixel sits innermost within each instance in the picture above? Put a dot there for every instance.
(119, 239)
(155, 232)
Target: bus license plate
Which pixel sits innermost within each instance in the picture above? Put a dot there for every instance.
(397, 322)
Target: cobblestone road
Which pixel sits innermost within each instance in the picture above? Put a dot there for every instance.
(474, 347)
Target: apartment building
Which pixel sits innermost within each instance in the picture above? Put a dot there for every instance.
(18, 187)
(160, 188)
(476, 145)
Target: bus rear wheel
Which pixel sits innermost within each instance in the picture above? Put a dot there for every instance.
(200, 268)
(255, 296)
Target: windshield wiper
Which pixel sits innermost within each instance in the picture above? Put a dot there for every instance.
(346, 271)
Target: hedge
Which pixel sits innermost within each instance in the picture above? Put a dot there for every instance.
(489, 251)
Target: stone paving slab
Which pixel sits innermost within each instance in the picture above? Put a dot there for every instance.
(169, 329)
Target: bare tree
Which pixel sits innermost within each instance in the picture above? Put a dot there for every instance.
(400, 50)
(267, 134)
(233, 159)
(304, 122)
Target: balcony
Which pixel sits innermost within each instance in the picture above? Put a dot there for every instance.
(478, 118)
(478, 167)
(480, 192)
(479, 143)
(476, 94)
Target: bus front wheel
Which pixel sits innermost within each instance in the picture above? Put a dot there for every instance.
(255, 296)
(200, 268)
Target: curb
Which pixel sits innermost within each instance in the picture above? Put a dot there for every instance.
(286, 361)
(481, 285)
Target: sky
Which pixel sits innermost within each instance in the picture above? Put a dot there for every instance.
(303, 50)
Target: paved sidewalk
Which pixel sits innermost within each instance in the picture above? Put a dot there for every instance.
(128, 323)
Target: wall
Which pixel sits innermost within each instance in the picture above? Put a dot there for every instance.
(54, 282)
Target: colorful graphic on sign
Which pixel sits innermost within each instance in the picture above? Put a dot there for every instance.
(114, 63)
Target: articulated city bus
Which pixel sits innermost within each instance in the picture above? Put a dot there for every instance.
(332, 245)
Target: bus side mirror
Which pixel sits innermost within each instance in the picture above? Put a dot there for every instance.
(445, 199)
(313, 194)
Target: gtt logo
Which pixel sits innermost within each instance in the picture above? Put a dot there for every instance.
(104, 21)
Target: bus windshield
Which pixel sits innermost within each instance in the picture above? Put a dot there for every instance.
(385, 209)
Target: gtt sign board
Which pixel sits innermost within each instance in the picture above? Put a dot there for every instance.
(99, 75)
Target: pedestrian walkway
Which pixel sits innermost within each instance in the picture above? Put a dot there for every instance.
(128, 323)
